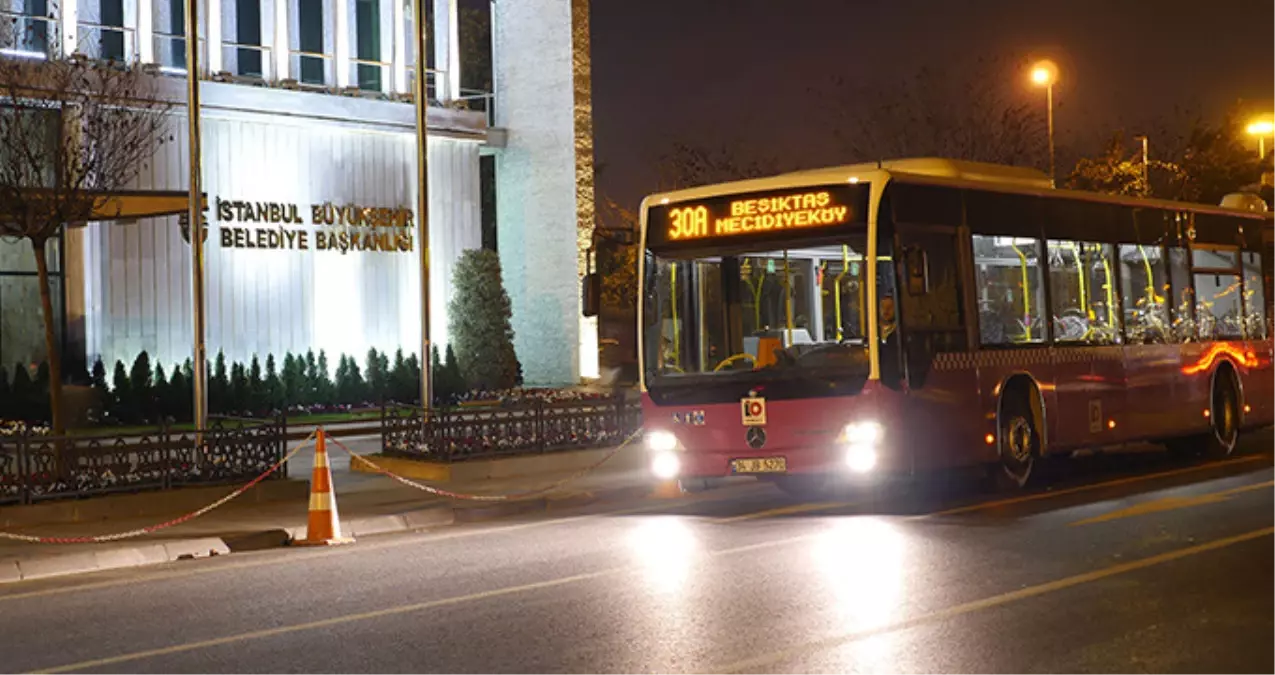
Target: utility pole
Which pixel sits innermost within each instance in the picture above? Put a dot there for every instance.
(420, 92)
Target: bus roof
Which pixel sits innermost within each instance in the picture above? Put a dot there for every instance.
(939, 171)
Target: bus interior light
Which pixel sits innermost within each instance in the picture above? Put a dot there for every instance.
(666, 465)
(661, 441)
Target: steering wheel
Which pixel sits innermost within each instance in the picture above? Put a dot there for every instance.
(732, 359)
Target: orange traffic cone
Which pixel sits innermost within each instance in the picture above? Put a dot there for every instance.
(324, 525)
(667, 489)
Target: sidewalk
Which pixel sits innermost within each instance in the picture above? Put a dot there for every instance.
(368, 504)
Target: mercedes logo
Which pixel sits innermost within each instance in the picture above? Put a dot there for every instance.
(756, 437)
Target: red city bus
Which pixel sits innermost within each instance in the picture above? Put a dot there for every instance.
(926, 314)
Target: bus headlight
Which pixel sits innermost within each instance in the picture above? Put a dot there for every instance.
(660, 441)
(665, 465)
(863, 433)
(860, 457)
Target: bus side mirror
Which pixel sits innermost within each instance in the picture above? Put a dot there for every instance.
(591, 294)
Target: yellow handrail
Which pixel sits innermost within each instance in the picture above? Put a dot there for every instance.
(677, 333)
(1027, 311)
(845, 269)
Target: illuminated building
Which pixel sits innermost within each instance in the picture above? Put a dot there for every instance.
(308, 135)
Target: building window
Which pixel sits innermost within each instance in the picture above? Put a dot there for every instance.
(311, 54)
(21, 318)
(487, 199)
(25, 27)
(248, 54)
(367, 25)
(101, 32)
(170, 34)
(409, 44)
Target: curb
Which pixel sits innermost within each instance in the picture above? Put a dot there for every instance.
(82, 562)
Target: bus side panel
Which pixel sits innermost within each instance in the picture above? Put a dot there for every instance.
(945, 419)
(1197, 361)
(997, 366)
(1090, 386)
(1258, 380)
(1151, 373)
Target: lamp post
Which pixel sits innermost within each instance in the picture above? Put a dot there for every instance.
(1261, 129)
(1146, 173)
(1044, 74)
(420, 93)
(195, 217)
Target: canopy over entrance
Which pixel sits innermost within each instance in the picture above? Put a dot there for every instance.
(119, 205)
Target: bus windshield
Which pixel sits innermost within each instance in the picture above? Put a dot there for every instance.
(776, 312)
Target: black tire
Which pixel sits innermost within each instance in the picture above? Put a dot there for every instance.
(1224, 422)
(1019, 443)
(803, 486)
(1224, 414)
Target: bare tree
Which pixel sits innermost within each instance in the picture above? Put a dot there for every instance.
(72, 132)
(963, 110)
(686, 165)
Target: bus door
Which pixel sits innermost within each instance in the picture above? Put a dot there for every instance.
(930, 299)
(932, 322)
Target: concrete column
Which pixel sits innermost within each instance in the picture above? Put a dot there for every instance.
(282, 59)
(343, 37)
(399, 38)
(446, 43)
(146, 31)
(212, 26)
(536, 190)
(70, 34)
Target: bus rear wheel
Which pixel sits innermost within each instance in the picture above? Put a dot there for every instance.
(1224, 421)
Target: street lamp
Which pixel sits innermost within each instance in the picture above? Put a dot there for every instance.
(1044, 74)
(1261, 129)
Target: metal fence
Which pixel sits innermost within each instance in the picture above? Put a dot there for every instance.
(461, 434)
(231, 450)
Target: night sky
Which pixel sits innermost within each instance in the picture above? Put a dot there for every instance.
(747, 74)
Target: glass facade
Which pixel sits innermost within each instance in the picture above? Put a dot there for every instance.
(21, 318)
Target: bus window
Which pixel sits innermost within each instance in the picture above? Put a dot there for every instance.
(1180, 294)
(1011, 293)
(1082, 292)
(1219, 310)
(1142, 294)
(1254, 295)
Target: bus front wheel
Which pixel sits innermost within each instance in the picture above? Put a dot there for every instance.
(1019, 443)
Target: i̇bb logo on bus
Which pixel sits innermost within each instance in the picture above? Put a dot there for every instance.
(754, 411)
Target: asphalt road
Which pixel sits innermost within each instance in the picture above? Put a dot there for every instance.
(1123, 564)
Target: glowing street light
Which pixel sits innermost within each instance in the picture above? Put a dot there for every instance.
(1044, 74)
(1261, 129)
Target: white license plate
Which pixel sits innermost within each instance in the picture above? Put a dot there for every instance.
(759, 465)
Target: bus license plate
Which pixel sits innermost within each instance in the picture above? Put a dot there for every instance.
(759, 465)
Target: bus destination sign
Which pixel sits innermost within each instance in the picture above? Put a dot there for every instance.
(750, 215)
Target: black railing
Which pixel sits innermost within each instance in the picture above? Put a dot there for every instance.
(459, 434)
(231, 450)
